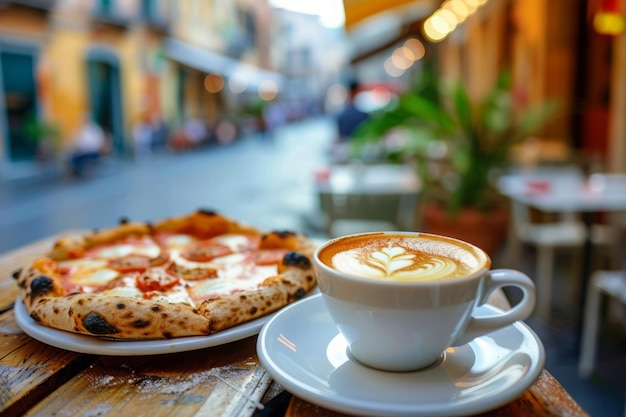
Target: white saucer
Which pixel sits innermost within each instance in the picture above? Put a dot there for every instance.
(102, 346)
(301, 349)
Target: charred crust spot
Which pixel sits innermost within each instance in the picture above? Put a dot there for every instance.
(300, 293)
(41, 285)
(155, 308)
(35, 317)
(207, 212)
(16, 273)
(309, 278)
(81, 301)
(123, 220)
(253, 310)
(242, 297)
(280, 233)
(167, 335)
(96, 324)
(120, 306)
(140, 324)
(296, 259)
(55, 310)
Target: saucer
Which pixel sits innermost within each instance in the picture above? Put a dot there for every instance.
(302, 349)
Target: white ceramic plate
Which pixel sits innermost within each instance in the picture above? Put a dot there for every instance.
(101, 346)
(302, 349)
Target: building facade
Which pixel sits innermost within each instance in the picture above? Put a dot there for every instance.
(121, 63)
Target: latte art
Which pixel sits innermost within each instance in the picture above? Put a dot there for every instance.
(400, 258)
(394, 263)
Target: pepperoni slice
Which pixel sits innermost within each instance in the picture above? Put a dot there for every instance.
(130, 263)
(206, 251)
(156, 279)
(160, 260)
(269, 256)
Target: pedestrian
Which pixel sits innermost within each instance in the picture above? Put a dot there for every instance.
(88, 146)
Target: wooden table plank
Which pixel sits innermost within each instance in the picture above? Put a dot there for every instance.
(545, 398)
(30, 370)
(225, 381)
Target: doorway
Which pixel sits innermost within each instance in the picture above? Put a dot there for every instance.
(17, 76)
(105, 99)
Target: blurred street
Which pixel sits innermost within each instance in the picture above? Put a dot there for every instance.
(266, 181)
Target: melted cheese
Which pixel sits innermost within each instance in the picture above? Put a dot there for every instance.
(128, 288)
(235, 278)
(94, 277)
(83, 263)
(89, 272)
(215, 263)
(151, 250)
(176, 294)
(235, 242)
(179, 242)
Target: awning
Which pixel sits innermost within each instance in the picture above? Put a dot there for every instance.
(211, 62)
(357, 11)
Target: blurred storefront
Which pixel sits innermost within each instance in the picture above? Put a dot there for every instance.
(220, 54)
(65, 62)
(125, 63)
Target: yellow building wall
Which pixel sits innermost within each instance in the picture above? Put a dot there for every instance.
(68, 95)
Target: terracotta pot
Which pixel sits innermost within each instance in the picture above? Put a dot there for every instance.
(485, 230)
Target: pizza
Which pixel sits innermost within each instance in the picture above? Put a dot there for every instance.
(183, 276)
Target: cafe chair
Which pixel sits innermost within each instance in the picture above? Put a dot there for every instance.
(565, 233)
(361, 198)
(604, 284)
(351, 213)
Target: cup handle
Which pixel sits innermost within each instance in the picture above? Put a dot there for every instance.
(498, 278)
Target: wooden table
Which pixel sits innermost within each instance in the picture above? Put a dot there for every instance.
(228, 380)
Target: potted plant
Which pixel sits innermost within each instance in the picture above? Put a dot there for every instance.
(45, 136)
(458, 146)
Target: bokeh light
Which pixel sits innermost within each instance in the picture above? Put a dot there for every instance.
(213, 83)
(268, 90)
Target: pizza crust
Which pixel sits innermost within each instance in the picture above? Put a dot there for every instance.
(119, 317)
(130, 317)
(292, 284)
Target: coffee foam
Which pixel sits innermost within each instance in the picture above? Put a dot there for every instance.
(402, 258)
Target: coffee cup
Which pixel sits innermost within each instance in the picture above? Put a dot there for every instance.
(400, 299)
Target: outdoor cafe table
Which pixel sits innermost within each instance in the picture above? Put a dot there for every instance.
(568, 193)
(37, 379)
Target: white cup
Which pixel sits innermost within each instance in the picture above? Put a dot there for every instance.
(396, 317)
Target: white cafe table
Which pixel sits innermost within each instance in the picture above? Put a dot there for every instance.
(566, 192)
(381, 193)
